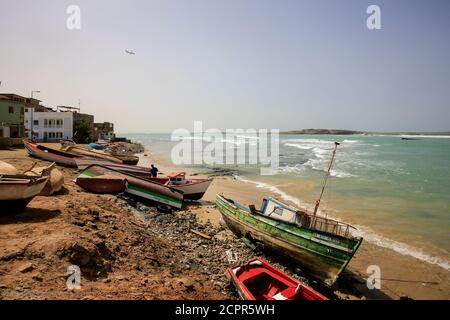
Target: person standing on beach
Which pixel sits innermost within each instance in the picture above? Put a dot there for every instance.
(154, 171)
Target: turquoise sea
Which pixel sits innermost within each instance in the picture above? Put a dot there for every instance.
(396, 192)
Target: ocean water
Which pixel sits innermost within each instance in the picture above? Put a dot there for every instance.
(396, 192)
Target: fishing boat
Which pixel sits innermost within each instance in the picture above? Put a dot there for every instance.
(259, 280)
(138, 186)
(102, 184)
(321, 246)
(83, 163)
(122, 159)
(16, 191)
(97, 146)
(50, 154)
(193, 189)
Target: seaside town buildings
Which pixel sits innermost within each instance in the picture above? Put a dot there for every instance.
(22, 117)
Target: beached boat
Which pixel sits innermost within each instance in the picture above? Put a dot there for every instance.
(83, 163)
(74, 149)
(49, 154)
(138, 186)
(322, 247)
(16, 191)
(97, 146)
(102, 184)
(193, 189)
(259, 280)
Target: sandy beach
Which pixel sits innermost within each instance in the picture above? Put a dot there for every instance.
(127, 250)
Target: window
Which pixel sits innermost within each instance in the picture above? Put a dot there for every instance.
(278, 211)
(11, 110)
(26, 109)
(36, 122)
(59, 135)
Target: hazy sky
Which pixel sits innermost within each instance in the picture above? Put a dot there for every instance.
(234, 63)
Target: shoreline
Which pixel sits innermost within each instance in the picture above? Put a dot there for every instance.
(397, 280)
(57, 227)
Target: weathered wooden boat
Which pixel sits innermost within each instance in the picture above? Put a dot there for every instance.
(138, 186)
(50, 154)
(83, 163)
(16, 191)
(77, 150)
(323, 247)
(193, 189)
(259, 280)
(102, 184)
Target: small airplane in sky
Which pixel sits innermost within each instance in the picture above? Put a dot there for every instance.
(129, 52)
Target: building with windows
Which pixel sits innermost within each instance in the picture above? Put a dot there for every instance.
(103, 131)
(12, 115)
(48, 126)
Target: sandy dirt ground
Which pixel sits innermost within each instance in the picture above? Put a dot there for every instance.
(126, 250)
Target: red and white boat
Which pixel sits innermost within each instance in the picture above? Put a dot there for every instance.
(193, 189)
(259, 280)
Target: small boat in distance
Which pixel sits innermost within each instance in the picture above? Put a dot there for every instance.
(16, 191)
(259, 280)
(97, 146)
(409, 139)
(49, 154)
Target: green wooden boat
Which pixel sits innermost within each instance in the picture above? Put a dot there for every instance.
(137, 186)
(322, 247)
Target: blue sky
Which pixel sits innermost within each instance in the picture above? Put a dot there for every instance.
(234, 64)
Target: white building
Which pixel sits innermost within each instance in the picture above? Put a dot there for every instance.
(48, 126)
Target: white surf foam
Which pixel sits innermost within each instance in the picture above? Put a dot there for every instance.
(298, 146)
(361, 231)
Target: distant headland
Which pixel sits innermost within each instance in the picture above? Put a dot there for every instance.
(351, 132)
(322, 131)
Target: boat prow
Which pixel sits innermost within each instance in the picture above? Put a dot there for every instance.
(16, 191)
(259, 280)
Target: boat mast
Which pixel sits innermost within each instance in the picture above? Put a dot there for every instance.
(325, 179)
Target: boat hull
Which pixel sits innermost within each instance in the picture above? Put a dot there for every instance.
(49, 154)
(83, 163)
(193, 190)
(139, 187)
(324, 261)
(102, 185)
(15, 195)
